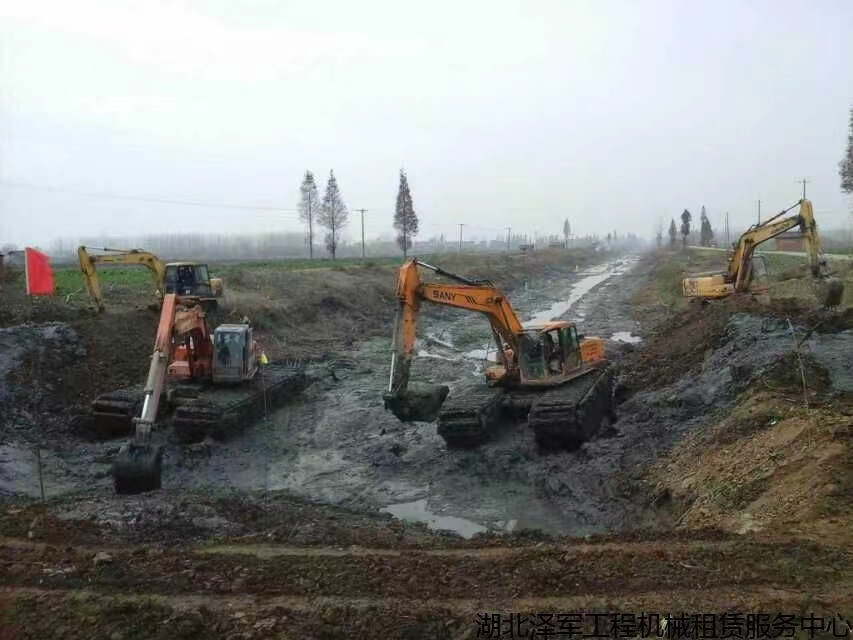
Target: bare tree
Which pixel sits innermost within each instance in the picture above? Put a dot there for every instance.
(567, 231)
(308, 204)
(333, 214)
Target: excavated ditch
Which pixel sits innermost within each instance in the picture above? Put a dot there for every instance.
(337, 444)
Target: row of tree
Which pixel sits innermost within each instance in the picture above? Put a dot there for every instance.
(706, 233)
(331, 213)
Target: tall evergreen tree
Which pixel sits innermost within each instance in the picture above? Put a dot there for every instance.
(333, 215)
(706, 234)
(567, 231)
(685, 226)
(673, 233)
(405, 218)
(309, 203)
(845, 167)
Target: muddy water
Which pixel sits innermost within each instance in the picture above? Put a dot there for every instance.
(339, 445)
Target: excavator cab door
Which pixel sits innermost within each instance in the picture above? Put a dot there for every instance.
(229, 354)
(531, 360)
(571, 349)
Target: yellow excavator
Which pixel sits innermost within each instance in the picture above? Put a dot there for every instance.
(560, 381)
(181, 278)
(741, 262)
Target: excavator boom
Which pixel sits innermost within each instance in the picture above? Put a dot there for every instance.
(479, 296)
(116, 256)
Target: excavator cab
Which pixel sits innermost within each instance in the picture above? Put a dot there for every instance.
(187, 279)
(554, 353)
(234, 358)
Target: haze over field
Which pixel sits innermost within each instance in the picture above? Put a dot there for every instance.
(609, 113)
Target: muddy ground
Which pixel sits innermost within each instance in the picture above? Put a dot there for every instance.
(725, 485)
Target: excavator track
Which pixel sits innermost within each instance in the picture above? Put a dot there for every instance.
(565, 417)
(221, 412)
(466, 421)
(111, 414)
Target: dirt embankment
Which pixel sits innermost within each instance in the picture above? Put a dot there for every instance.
(776, 458)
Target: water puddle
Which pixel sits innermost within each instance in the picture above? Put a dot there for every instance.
(417, 512)
(625, 336)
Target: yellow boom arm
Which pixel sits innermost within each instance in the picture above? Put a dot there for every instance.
(738, 275)
(739, 270)
(117, 256)
(474, 295)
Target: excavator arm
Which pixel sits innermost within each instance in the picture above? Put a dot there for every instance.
(117, 256)
(474, 295)
(158, 368)
(138, 466)
(739, 270)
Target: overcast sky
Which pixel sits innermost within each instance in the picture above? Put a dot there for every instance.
(610, 113)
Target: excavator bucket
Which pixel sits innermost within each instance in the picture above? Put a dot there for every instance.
(417, 404)
(138, 468)
(830, 291)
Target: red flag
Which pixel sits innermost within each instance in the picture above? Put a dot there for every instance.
(39, 273)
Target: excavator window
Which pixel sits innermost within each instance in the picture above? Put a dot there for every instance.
(532, 361)
(554, 352)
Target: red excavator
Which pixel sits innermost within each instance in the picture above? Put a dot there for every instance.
(213, 387)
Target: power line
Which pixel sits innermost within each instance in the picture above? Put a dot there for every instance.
(117, 196)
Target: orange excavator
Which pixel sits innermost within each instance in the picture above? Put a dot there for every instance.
(213, 388)
(560, 381)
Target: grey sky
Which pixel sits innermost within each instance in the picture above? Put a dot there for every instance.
(611, 113)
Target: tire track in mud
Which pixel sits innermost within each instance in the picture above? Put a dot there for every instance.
(183, 593)
(546, 571)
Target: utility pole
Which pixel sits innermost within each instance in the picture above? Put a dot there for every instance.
(804, 181)
(361, 211)
(508, 230)
(728, 238)
(460, 236)
(759, 212)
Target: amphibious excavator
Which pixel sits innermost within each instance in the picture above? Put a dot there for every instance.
(182, 278)
(560, 381)
(741, 263)
(213, 383)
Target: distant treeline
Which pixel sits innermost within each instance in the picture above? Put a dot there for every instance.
(276, 246)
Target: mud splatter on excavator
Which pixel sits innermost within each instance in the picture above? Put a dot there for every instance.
(559, 381)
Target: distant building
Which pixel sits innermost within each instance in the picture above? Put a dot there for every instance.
(791, 241)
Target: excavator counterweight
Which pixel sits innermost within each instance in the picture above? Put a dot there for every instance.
(559, 381)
